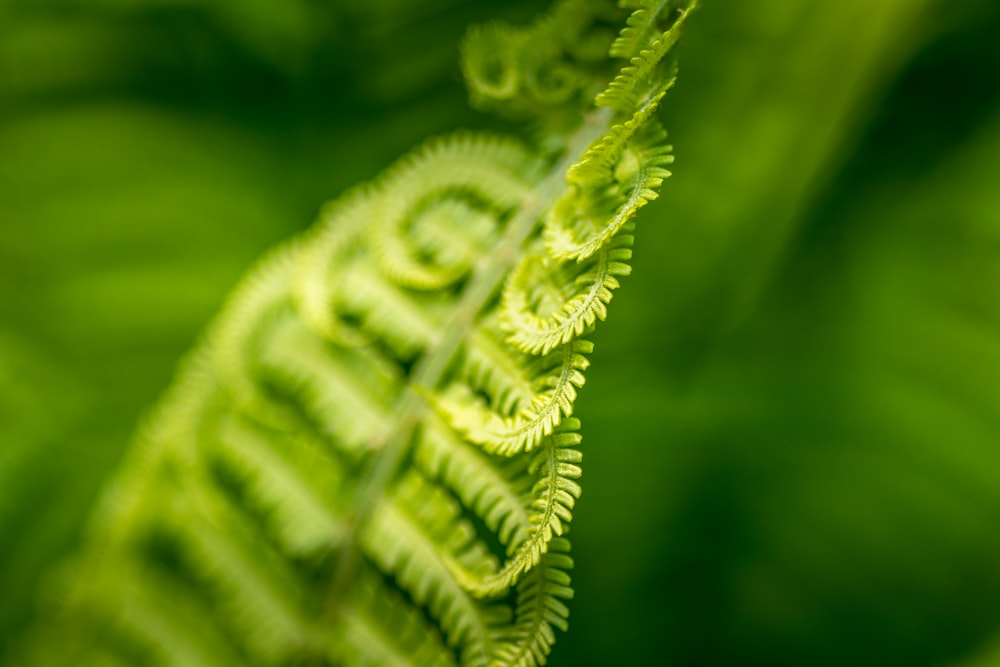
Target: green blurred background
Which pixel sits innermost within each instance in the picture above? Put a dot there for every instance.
(792, 423)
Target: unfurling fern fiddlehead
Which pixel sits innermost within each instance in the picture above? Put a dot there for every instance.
(372, 459)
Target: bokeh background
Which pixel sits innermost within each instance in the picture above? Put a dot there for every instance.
(792, 422)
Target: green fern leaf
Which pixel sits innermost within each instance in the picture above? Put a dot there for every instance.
(589, 291)
(372, 459)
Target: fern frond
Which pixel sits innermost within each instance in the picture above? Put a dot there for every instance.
(372, 459)
(260, 300)
(491, 368)
(640, 80)
(327, 250)
(630, 159)
(454, 233)
(553, 497)
(579, 226)
(537, 332)
(561, 373)
(495, 172)
(541, 69)
(640, 27)
(407, 540)
(541, 607)
(599, 162)
(386, 313)
(493, 490)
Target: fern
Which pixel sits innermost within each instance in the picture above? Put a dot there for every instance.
(372, 458)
